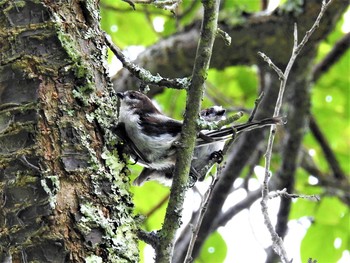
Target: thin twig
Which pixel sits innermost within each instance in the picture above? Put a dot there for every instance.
(278, 245)
(272, 65)
(338, 50)
(327, 150)
(208, 193)
(28, 164)
(256, 106)
(203, 209)
(144, 75)
(157, 206)
(285, 194)
(170, 5)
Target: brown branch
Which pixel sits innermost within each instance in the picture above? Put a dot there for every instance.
(338, 50)
(329, 154)
(337, 188)
(157, 206)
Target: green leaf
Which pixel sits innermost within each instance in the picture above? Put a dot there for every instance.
(243, 5)
(213, 250)
(330, 211)
(318, 244)
(147, 198)
(302, 207)
(117, 19)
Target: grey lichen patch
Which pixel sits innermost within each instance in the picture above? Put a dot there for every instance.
(113, 221)
(78, 65)
(106, 113)
(94, 15)
(93, 259)
(96, 220)
(51, 186)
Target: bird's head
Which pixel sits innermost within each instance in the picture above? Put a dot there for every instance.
(136, 102)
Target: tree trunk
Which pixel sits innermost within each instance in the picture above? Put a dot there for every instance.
(60, 202)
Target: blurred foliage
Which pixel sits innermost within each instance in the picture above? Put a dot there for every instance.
(213, 250)
(237, 88)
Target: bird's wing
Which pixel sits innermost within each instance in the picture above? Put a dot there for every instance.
(153, 126)
(120, 131)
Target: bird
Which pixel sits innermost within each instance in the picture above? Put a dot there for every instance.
(151, 137)
(202, 155)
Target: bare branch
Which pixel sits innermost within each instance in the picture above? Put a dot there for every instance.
(144, 75)
(157, 206)
(172, 219)
(272, 65)
(150, 238)
(256, 106)
(339, 48)
(329, 154)
(283, 193)
(170, 5)
(278, 245)
(203, 209)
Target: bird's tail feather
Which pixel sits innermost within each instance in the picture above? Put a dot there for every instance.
(227, 133)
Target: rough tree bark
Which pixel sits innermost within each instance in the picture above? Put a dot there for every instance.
(60, 202)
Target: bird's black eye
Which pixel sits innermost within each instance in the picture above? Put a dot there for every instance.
(132, 96)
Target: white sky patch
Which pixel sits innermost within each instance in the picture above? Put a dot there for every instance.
(346, 26)
(337, 242)
(273, 4)
(114, 28)
(149, 254)
(253, 184)
(296, 232)
(329, 98)
(312, 152)
(345, 257)
(133, 51)
(312, 180)
(158, 24)
(260, 173)
(130, 52)
(114, 66)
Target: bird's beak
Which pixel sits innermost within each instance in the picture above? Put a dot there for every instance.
(120, 95)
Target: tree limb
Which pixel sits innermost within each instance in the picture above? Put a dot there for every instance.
(329, 154)
(144, 75)
(338, 50)
(172, 219)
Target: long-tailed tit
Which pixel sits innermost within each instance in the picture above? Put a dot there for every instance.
(151, 137)
(201, 157)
